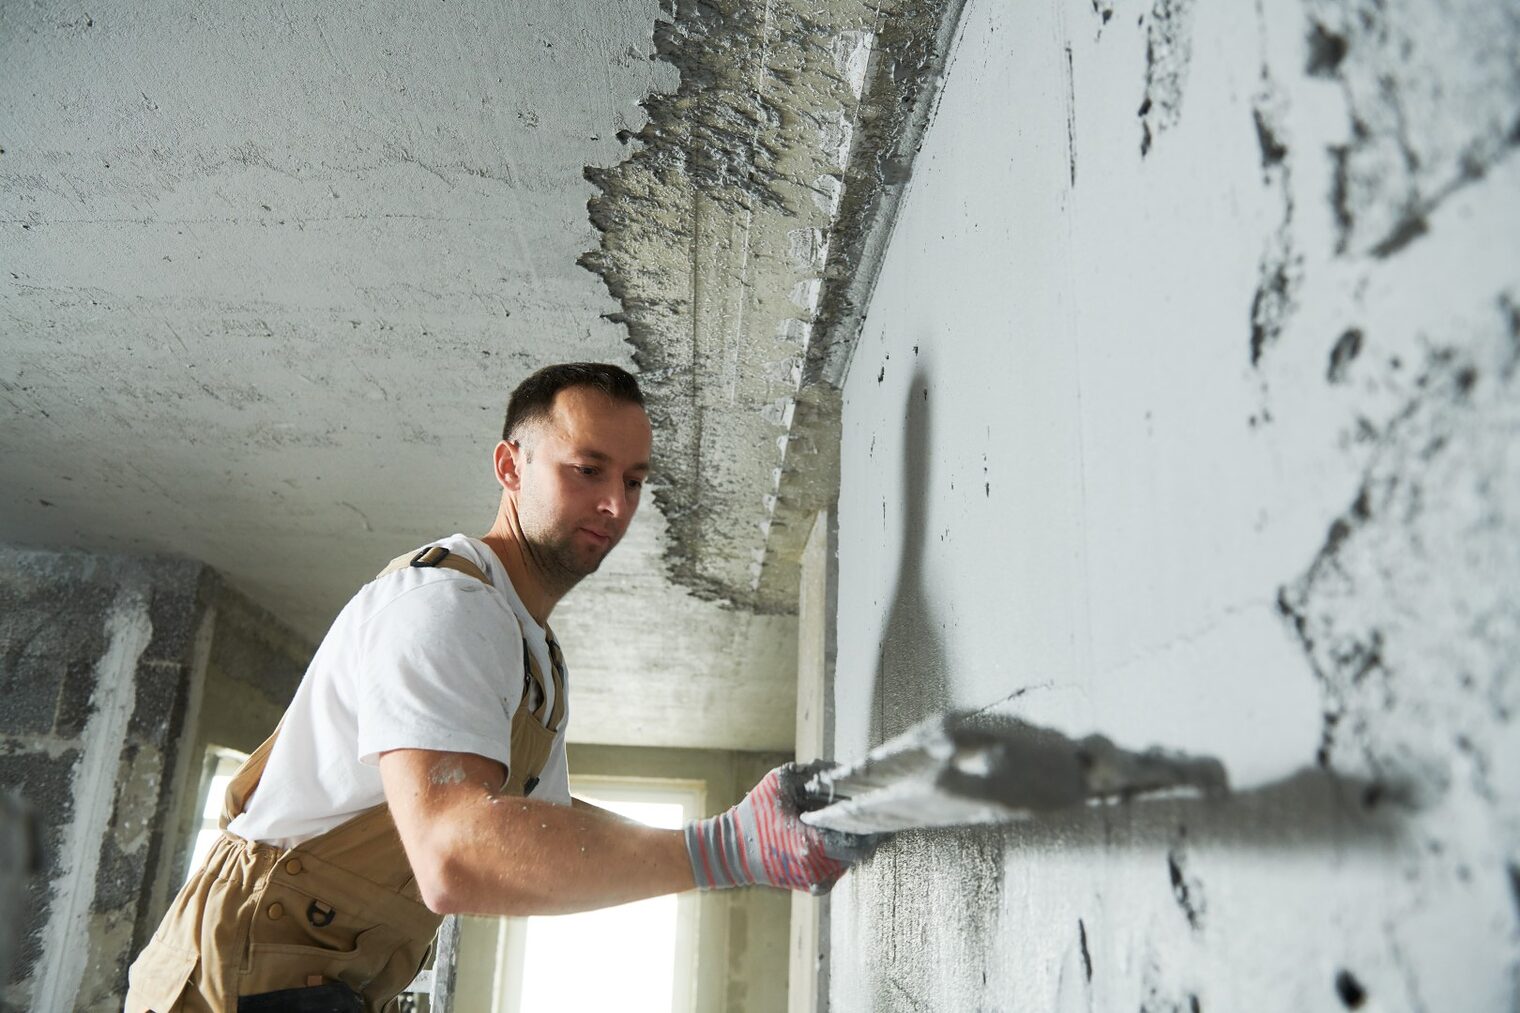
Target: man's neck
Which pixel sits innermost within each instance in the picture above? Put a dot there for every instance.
(506, 540)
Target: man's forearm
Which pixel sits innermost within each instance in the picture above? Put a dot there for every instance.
(503, 855)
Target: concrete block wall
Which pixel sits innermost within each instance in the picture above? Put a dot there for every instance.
(104, 664)
(1186, 412)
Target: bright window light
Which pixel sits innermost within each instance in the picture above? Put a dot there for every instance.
(643, 954)
(217, 772)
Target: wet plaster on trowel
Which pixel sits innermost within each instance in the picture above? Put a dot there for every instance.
(1214, 449)
(744, 205)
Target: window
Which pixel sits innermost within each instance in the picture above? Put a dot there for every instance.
(219, 766)
(636, 958)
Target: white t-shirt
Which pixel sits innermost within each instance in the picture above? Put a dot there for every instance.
(424, 658)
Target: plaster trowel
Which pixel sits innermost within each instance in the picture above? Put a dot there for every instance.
(959, 769)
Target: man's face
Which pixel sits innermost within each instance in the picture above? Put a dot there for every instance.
(581, 477)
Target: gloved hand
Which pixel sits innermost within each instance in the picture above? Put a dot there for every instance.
(761, 842)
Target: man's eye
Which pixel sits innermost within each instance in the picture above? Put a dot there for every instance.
(586, 470)
(635, 483)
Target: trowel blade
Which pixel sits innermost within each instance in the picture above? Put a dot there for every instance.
(960, 769)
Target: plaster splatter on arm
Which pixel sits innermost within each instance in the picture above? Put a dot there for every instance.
(448, 770)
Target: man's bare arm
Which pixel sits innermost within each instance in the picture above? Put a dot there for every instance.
(476, 850)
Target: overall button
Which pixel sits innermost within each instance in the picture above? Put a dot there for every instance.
(293, 866)
(276, 910)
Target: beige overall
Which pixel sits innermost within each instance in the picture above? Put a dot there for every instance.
(342, 906)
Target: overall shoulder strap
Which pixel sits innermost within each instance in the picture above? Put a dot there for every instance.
(436, 556)
(240, 790)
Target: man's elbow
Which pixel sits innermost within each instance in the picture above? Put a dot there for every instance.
(437, 878)
(450, 886)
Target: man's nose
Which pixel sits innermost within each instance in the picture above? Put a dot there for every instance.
(617, 501)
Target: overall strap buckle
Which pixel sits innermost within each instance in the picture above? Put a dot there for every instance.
(430, 556)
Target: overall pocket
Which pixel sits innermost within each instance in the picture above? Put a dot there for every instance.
(157, 980)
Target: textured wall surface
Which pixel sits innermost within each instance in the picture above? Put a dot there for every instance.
(1186, 412)
(95, 658)
(116, 673)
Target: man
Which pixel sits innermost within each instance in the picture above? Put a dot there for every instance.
(420, 769)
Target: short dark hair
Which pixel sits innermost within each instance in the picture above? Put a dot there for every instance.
(533, 400)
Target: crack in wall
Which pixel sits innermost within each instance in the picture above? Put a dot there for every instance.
(1186, 890)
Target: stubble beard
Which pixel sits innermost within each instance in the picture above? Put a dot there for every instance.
(563, 565)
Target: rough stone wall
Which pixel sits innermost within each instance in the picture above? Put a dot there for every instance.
(96, 657)
(1186, 412)
(116, 672)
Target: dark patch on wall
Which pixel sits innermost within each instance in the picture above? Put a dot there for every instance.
(31, 687)
(1186, 890)
(1347, 347)
(1071, 116)
(1280, 267)
(1350, 991)
(74, 705)
(1326, 51)
(1514, 885)
(46, 783)
(1087, 970)
(173, 613)
(1273, 150)
(1168, 52)
(1273, 302)
(119, 877)
(42, 669)
(159, 697)
(1340, 188)
(1410, 228)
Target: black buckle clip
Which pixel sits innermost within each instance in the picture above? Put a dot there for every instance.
(529, 785)
(430, 556)
(320, 914)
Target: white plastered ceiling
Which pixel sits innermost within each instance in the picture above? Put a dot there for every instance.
(268, 273)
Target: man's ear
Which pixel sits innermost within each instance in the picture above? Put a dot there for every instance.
(509, 459)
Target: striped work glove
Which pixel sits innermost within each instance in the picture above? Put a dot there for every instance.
(761, 842)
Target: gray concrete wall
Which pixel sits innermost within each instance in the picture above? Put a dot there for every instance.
(103, 681)
(1186, 412)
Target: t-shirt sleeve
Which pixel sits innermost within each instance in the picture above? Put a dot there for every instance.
(441, 668)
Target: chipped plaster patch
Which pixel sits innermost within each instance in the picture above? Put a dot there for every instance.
(1404, 153)
(1168, 51)
(1405, 582)
(730, 236)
